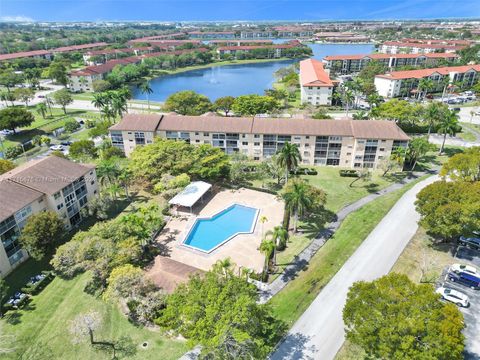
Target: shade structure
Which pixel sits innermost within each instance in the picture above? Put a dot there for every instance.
(191, 194)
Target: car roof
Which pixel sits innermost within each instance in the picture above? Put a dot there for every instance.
(470, 277)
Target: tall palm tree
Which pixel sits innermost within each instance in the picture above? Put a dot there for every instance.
(41, 109)
(448, 126)
(445, 83)
(99, 100)
(288, 158)
(263, 219)
(433, 114)
(424, 86)
(147, 90)
(118, 105)
(279, 236)
(107, 172)
(346, 96)
(113, 190)
(224, 266)
(49, 102)
(267, 247)
(297, 199)
(125, 177)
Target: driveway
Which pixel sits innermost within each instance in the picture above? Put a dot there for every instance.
(319, 333)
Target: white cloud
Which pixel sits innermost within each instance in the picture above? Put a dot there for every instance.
(18, 18)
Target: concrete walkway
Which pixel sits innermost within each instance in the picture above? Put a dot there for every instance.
(267, 291)
(319, 333)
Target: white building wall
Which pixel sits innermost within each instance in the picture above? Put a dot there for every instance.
(316, 95)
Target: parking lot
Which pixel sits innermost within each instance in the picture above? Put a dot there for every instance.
(472, 313)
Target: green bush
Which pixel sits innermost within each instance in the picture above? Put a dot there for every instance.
(71, 125)
(349, 173)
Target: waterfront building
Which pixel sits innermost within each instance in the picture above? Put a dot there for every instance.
(347, 64)
(401, 83)
(316, 87)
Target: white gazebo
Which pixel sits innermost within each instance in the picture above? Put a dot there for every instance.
(189, 196)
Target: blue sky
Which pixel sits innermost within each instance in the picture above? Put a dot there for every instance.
(202, 10)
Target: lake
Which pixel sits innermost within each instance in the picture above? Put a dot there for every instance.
(235, 80)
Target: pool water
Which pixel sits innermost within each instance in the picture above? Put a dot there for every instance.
(207, 234)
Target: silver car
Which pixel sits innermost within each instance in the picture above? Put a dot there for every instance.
(454, 296)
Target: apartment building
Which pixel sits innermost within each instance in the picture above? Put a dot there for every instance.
(276, 50)
(397, 47)
(401, 83)
(347, 64)
(211, 34)
(294, 31)
(51, 183)
(316, 87)
(96, 57)
(256, 34)
(82, 80)
(344, 143)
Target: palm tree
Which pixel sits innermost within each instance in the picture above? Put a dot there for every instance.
(267, 247)
(4, 97)
(288, 158)
(424, 86)
(263, 219)
(224, 266)
(297, 199)
(118, 105)
(125, 177)
(361, 115)
(49, 102)
(448, 126)
(41, 109)
(147, 90)
(107, 172)
(279, 236)
(99, 100)
(445, 82)
(433, 114)
(346, 96)
(113, 190)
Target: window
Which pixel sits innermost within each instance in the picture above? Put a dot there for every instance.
(196, 133)
(197, 141)
(139, 138)
(40, 200)
(256, 136)
(245, 143)
(59, 206)
(256, 158)
(256, 144)
(382, 149)
(56, 195)
(206, 134)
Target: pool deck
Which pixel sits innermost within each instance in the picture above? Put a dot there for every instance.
(242, 249)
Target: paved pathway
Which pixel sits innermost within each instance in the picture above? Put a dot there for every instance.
(267, 291)
(319, 333)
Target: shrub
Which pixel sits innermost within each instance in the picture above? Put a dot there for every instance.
(71, 125)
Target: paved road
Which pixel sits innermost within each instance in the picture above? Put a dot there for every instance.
(452, 141)
(319, 333)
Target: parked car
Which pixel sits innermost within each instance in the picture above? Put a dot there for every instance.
(41, 96)
(470, 242)
(57, 147)
(6, 132)
(66, 143)
(454, 296)
(458, 268)
(465, 279)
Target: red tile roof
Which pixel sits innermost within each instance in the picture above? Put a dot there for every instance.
(24, 54)
(138, 122)
(79, 47)
(423, 46)
(421, 73)
(104, 68)
(388, 56)
(313, 74)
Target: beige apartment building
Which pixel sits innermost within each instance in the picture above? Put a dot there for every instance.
(51, 183)
(316, 87)
(344, 143)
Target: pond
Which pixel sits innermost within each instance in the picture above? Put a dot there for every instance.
(235, 80)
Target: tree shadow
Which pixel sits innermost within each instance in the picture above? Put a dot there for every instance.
(315, 223)
(371, 188)
(293, 346)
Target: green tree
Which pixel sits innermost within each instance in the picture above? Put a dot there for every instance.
(288, 157)
(107, 172)
(187, 103)
(24, 94)
(224, 104)
(5, 166)
(58, 72)
(71, 125)
(448, 125)
(393, 318)
(146, 89)
(83, 149)
(250, 105)
(279, 236)
(210, 307)
(63, 98)
(463, 166)
(101, 86)
(449, 209)
(434, 113)
(345, 96)
(267, 248)
(41, 109)
(424, 86)
(41, 232)
(417, 149)
(3, 294)
(12, 118)
(127, 282)
(297, 200)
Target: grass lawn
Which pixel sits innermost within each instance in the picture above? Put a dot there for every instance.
(467, 135)
(41, 330)
(338, 189)
(419, 254)
(294, 299)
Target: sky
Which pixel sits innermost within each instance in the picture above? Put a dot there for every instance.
(203, 10)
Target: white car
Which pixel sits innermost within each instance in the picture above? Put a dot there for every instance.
(57, 147)
(458, 268)
(6, 132)
(454, 296)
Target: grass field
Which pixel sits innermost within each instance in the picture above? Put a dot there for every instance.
(41, 330)
(294, 299)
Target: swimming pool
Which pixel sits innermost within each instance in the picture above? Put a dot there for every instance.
(207, 234)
